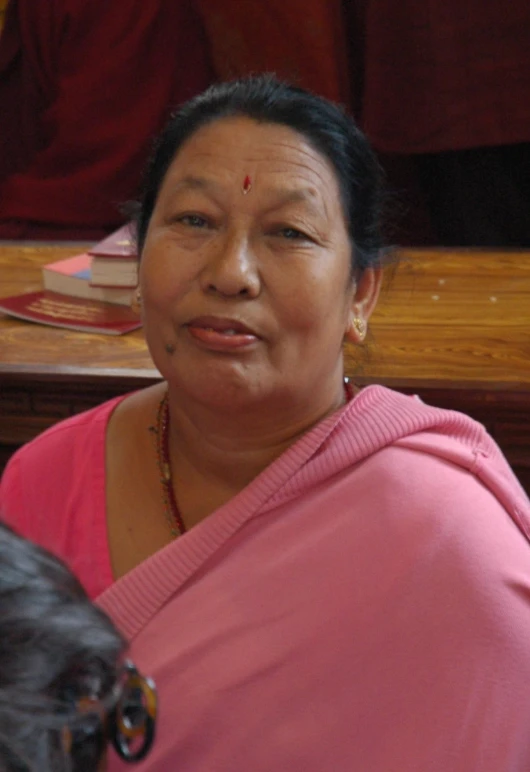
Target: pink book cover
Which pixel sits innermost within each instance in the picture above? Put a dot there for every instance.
(117, 244)
(71, 313)
(73, 276)
(78, 265)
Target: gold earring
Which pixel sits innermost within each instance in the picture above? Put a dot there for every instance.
(136, 301)
(359, 327)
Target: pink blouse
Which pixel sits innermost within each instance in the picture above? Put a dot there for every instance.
(364, 604)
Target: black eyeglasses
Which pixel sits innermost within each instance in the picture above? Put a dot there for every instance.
(126, 715)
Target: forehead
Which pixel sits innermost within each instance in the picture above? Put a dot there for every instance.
(240, 145)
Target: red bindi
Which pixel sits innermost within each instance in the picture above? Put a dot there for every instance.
(247, 184)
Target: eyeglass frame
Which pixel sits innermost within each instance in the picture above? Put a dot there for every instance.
(110, 716)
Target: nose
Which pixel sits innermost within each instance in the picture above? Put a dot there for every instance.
(232, 269)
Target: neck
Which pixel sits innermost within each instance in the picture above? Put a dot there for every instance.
(229, 448)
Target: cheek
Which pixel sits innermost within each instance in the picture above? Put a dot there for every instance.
(313, 299)
(162, 279)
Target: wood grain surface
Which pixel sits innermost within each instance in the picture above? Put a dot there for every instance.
(451, 325)
(26, 344)
(445, 319)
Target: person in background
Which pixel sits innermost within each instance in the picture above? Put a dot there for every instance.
(302, 41)
(318, 577)
(442, 90)
(86, 84)
(63, 690)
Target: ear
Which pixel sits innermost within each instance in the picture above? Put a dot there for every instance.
(364, 300)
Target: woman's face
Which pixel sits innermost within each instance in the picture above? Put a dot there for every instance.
(245, 273)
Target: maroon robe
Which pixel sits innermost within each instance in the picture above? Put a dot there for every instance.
(84, 85)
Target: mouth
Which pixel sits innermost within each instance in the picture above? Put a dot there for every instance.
(221, 334)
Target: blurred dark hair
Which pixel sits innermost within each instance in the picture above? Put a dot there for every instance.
(327, 127)
(55, 647)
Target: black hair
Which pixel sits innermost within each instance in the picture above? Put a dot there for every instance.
(327, 127)
(55, 647)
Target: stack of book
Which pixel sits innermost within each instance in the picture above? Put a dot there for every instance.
(92, 291)
(108, 272)
(114, 260)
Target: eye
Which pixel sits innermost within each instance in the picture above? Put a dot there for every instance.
(193, 220)
(293, 234)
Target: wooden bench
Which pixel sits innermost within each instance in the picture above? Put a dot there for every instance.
(452, 326)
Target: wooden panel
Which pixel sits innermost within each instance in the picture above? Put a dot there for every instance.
(3, 9)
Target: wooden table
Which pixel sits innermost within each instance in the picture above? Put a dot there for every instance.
(452, 326)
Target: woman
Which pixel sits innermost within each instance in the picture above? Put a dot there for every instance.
(63, 692)
(318, 578)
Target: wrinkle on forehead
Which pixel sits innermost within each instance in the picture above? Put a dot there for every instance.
(241, 134)
(287, 193)
(265, 157)
(273, 167)
(218, 154)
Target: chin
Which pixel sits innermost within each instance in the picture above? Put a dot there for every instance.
(223, 387)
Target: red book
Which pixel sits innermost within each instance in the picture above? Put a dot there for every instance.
(71, 313)
(114, 260)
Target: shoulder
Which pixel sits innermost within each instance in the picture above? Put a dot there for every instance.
(41, 474)
(436, 502)
(55, 445)
(419, 453)
(53, 493)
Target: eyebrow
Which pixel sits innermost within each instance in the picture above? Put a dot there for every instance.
(304, 195)
(190, 182)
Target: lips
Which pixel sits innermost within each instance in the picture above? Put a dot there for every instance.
(222, 325)
(221, 334)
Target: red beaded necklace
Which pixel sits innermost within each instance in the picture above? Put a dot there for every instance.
(172, 512)
(173, 516)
